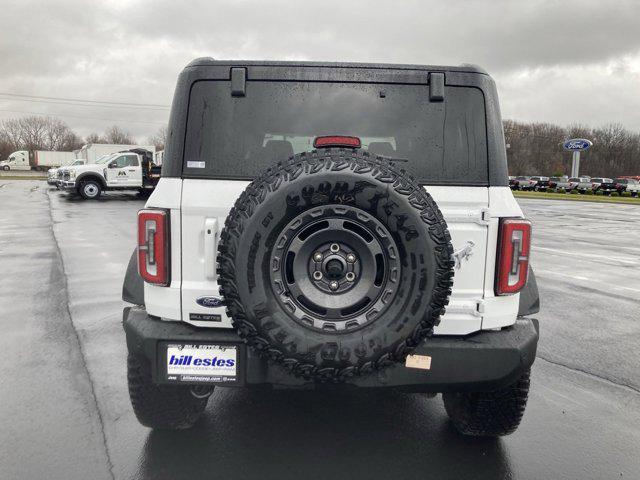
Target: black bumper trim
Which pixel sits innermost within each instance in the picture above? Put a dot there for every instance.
(478, 362)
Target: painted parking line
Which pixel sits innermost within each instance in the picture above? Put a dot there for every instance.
(626, 260)
(559, 274)
(591, 281)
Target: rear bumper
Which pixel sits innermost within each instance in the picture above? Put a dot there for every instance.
(479, 362)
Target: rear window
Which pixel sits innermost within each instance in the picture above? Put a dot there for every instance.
(239, 137)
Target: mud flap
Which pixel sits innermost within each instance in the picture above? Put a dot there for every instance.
(529, 297)
(133, 286)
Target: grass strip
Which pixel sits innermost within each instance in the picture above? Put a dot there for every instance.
(576, 197)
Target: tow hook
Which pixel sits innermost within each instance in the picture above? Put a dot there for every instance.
(202, 391)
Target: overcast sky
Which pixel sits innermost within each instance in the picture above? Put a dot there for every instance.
(558, 61)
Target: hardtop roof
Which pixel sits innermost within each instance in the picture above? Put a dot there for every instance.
(209, 61)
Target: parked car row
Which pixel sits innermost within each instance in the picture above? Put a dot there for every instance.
(603, 185)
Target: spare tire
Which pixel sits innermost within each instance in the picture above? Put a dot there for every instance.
(335, 264)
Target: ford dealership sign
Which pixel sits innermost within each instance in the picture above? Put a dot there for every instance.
(577, 144)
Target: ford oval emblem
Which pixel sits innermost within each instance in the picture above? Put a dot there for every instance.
(577, 144)
(210, 302)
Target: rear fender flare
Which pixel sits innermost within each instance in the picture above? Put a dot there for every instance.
(133, 286)
(529, 296)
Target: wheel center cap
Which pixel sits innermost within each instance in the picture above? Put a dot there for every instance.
(334, 269)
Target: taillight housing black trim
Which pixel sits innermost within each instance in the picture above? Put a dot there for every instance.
(154, 239)
(512, 260)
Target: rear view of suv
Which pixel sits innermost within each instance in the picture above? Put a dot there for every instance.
(332, 225)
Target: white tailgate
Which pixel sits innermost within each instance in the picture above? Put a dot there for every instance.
(466, 210)
(472, 307)
(205, 206)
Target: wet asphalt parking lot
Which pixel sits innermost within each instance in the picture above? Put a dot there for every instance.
(65, 412)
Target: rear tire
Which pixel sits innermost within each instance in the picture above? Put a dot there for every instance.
(90, 189)
(159, 406)
(489, 414)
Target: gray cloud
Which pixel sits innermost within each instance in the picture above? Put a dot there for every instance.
(562, 61)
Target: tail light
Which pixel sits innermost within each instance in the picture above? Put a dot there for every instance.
(514, 244)
(153, 246)
(337, 141)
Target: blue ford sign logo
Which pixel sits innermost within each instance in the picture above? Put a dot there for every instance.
(577, 144)
(210, 302)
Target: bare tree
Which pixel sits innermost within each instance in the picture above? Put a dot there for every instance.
(6, 146)
(115, 134)
(58, 136)
(12, 133)
(38, 133)
(159, 139)
(70, 142)
(94, 138)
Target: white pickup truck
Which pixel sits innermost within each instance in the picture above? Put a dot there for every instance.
(52, 174)
(129, 170)
(580, 184)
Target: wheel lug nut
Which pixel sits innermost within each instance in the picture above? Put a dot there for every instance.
(350, 276)
(333, 285)
(317, 257)
(335, 248)
(317, 275)
(351, 258)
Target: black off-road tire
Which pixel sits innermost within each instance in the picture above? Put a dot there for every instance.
(158, 406)
(323, 181)
(87, 187)
(489, 414)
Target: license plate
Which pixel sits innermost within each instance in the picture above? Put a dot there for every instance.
(202, 363)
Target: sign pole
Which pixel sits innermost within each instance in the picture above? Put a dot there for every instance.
(575, 164)
(576, 145)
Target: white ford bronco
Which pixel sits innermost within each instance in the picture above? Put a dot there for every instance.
(332, 226)
(127, 170)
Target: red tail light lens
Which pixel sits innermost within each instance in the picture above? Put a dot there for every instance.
(337, 141)
(514, 246)
(153, 246)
